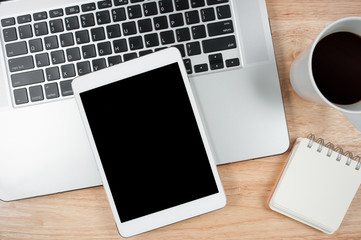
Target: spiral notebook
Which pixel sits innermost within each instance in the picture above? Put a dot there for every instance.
(317, 184)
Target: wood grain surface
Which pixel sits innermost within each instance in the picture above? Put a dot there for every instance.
(85, 214)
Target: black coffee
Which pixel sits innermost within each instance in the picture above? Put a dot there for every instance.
(336, 67)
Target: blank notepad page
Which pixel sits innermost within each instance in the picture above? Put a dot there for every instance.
(315, 188)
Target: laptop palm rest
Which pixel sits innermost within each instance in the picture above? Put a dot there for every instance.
(244, 117)
(43, 149)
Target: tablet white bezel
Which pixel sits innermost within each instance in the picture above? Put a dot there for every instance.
(124, 71)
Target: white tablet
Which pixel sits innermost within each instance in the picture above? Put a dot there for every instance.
(149, 143)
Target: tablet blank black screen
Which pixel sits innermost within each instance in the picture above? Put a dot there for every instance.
(149, 143)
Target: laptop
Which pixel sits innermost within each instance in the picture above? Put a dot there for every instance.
(227, 50)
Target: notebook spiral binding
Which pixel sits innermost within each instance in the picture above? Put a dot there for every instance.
(331, 148)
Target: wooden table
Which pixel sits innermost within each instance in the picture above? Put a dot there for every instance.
(85, 214)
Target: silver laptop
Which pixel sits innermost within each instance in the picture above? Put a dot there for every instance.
(227, 49)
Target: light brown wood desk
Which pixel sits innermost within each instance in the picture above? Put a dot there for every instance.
(85, 214)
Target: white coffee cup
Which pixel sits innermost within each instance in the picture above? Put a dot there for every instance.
(302, 78)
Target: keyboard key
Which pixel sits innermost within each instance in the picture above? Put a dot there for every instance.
(67, 71)
(181, 49)
(197, 3)
(88, 7)
(83, 68)
(135, 1)
(98, 34)
(223, 12)
(72, 10)
(181, 5)
(119, 14)
(219, 44)
(42, 60)
(165, 6)
(188, 65)
(120, 2)
(36, 93)
(10, 34)
(145, 52)
(232, 62)
(51, 42)
(87, 20)
(88, 51)
(99, 64)
(114, 60)
(216, 61)
(40, 16)
(160, 23)
(56, 13)
(57, 57)
(21, 63)
(82, 37)
(104, 48)
(51, 90)
(73, 54)
(52, 73)
(129, 28)
(134, 11)
(213, 2)
(104, 4)
(199, 32)
(183, 34)
(103, 17)
(193, 48)
(167, 37)
(7, 22)
(27, 78)
(16, 49)
(25, 31)
(66, 39)
(135, 43)
(160, 49)
(150, 9)
(201, 68)
(120, 46)
(113, 31)
(41, 28)
(219, 28)
(24, 19)
(20, 96)
(129, 56)
(145, 25)
(66, 89)
(176, 20)
(56, 26)
(71, 23)
(192, 17)
(35, 45)
(151, 40)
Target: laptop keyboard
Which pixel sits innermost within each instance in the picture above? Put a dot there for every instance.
(45, 50)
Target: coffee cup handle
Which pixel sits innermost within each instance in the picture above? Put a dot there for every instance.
(354, 118)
